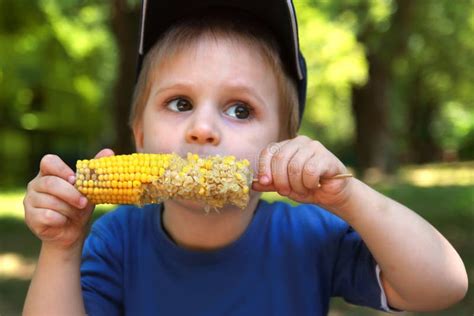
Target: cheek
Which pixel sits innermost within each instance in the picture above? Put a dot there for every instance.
(254, 143)
(157, 137)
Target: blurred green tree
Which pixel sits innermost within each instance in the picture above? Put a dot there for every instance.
(124, 22)
(434, 81)
(57, 62)
(419, 71)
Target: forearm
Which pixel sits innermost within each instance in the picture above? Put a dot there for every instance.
(417, 262)
(55, 288)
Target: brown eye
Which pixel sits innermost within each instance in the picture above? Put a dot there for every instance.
(180, 105)
(239, 110)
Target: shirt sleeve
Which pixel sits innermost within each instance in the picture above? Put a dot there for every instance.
(355, 277)
(383, 296)
(101, 273)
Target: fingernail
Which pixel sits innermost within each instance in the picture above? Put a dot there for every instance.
(264, 180)
(71, 179)
(82, 202)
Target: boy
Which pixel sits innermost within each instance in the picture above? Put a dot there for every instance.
(226, 80)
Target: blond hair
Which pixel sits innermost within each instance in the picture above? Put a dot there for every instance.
(189, 32)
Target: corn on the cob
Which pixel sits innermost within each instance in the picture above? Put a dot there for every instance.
(152, 178)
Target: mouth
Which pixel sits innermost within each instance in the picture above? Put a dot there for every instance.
(201, 152)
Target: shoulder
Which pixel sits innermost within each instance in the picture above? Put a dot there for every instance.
(122, 219)
(304, 218)
(115, 231)
(308, 214)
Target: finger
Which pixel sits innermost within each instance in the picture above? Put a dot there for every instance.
(332, 171)
(61, 189)
(279, 167)
(311, 173)
(334, 168)
(52, 165)
(265, 158)
(295, 171)
(46, 201)
(42, 218)
(106, 152)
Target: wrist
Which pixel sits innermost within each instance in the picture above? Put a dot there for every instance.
(64, 253)
(355, 199)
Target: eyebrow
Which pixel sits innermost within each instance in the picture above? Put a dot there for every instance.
(247, 90)
(236, 87)
(177, 85)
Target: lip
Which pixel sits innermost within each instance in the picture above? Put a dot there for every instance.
(201, 153)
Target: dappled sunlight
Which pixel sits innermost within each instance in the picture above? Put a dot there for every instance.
(15, 266)
(12, 204)
(461, 174)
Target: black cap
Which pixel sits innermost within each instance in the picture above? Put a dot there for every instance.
(278, 15)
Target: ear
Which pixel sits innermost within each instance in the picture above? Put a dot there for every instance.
(138, 136)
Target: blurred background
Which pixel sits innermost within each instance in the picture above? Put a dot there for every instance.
(390, 92)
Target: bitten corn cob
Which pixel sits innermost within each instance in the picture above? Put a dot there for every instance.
(152, 178)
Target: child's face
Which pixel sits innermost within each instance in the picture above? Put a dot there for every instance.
(213, 97)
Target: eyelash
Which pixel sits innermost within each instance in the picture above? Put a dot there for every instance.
(168, 101)
(248, 106)
(244, 103)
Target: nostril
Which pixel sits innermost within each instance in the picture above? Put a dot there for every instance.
(208, 138)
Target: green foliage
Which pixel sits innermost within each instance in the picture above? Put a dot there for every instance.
(433, 71)
(455, 125)
(57, 63)
(335, 62)
(439, 61)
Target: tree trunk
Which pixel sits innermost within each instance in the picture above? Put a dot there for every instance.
(422, 111)
(39, 140)
(370, 107)
(371, 103)
(124, 22)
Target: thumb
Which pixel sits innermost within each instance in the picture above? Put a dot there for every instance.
(256, 186)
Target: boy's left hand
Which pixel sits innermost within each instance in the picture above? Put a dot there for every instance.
(301, 169)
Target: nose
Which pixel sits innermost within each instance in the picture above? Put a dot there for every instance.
(203, 130)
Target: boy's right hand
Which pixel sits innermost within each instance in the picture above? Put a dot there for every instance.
(55, 211)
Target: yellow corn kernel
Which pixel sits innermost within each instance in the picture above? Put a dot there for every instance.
(208, 164)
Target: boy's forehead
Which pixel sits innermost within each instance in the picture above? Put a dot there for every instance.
(238, 61)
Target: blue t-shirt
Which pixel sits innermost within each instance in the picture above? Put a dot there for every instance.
(289, 261)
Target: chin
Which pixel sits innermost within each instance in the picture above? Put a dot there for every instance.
(201, 207)
(190, 205)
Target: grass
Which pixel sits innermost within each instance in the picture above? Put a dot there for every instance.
(432, 191)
